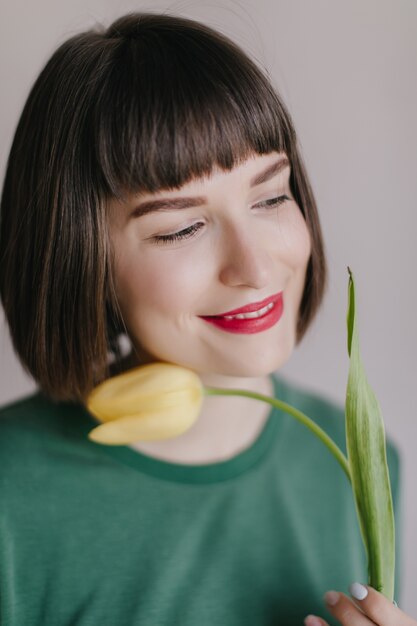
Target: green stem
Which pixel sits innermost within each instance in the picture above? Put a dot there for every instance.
(287, 408)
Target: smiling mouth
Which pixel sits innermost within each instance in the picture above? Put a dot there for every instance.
(247, 316)
(253, 318)
(250, 311)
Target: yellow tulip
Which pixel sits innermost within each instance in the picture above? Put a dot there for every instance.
(150, 402)
(162, 401)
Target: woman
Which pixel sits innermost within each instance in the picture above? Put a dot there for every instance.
(155, 191)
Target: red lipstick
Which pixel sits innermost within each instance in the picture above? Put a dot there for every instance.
(273, 306)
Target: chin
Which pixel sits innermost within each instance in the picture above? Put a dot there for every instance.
(255, 370)
(256, 366)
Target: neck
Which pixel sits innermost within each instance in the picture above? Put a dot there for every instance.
(226, 424)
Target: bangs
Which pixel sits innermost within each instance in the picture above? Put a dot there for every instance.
(173, 106)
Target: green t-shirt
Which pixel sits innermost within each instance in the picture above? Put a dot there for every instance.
(94, 535)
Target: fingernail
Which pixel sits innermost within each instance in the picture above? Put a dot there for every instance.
(358, 591)
(312, 620)
(331, 597)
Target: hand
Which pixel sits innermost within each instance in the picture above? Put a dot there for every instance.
(373, 608)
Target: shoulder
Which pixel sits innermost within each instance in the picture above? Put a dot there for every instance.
(44, 449)
(22, 406)
(20, 414)
(35, 424)
(30, 412)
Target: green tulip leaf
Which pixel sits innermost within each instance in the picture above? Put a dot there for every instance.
(367, 457)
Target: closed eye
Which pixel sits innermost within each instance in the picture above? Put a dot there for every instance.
(190, 231)
(182, 234)
(273, 202)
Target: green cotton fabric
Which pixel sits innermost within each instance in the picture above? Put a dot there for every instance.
(92, 535)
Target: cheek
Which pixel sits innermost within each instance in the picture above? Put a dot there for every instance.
(160, 281)
(294, 239)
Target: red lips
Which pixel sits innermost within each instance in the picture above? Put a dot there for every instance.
(251, 325)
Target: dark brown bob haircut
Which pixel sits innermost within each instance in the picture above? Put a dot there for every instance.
(149, 103)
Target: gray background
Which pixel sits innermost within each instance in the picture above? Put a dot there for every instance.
(347, 71)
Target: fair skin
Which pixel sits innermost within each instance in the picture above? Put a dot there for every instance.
(244, 249)
(373, 609)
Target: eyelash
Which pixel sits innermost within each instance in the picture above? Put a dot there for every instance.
(186, 233)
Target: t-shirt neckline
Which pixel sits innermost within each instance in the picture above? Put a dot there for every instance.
(207, 472)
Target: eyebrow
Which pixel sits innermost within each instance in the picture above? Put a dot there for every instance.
(169, 204)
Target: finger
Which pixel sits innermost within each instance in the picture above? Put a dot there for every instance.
(378, 608)
(313, 620)
(346, 611)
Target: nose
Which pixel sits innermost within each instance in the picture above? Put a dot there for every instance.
(245, 259)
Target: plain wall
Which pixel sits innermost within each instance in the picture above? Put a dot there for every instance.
(347, 71)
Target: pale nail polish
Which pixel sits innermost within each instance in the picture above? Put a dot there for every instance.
(358, 591)
(331, 597)
(312, 620)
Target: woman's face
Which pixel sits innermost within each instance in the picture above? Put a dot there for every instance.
(185, 257)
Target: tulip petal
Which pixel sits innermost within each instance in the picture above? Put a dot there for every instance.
(152, 426)
(150, 402)
(144, 388)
